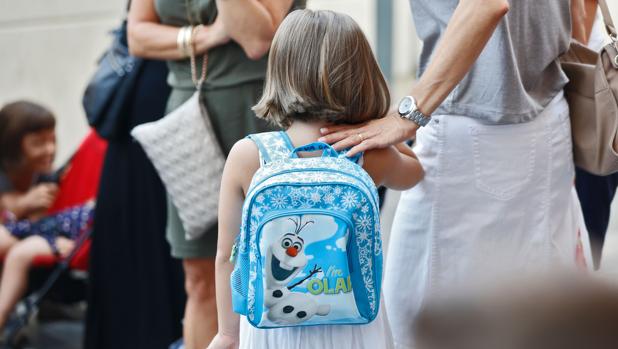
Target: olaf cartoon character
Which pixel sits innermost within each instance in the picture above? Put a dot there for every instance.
(286, 258)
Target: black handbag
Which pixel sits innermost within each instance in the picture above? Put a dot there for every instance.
(108, 93)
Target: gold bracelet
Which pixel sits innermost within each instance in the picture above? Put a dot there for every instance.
(187, 41)
(180, 39)
(184, 36)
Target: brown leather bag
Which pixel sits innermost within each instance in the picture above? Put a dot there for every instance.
(592, 94)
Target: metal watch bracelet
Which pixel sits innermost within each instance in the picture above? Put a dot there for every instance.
(418, 118)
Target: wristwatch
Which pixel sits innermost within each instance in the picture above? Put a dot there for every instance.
(408, 110)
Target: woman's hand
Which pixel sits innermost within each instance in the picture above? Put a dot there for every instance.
(41, 197)
(211, 36)
(222, 341)
(252, 23)
(379, 133)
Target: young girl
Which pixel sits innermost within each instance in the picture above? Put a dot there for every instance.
(27, 151)
(320, 72)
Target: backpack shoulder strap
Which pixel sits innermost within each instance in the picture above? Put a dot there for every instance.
(357, 159)
(273, 146)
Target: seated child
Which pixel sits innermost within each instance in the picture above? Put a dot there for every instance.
(27, 151)
(27, 191)
(321, 72)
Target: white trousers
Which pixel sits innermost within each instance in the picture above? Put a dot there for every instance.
(494, 198)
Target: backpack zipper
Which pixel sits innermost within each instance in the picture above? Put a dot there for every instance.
(317, 170)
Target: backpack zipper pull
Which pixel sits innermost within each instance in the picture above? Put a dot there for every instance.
(234, 253)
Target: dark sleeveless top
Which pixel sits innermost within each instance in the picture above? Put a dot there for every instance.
(228, 65)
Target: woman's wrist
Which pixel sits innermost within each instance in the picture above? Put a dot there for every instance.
(409, 127)
(202, 42)
(183, 41)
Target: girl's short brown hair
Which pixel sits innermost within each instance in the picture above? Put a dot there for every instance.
(18, 119)
(321, 68)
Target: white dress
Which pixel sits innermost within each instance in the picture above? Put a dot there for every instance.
(495, 199)
(375, 335)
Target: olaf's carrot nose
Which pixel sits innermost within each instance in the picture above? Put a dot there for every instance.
(291, 251)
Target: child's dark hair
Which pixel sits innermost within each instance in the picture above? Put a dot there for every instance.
(18, 119)
(321, 68)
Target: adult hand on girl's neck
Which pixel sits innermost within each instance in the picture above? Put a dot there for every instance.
(375, 134)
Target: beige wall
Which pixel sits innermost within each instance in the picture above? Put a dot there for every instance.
(49, 51)
(50, 48)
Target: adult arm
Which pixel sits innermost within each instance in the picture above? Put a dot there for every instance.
(252, 23)
(579, 31)
(591, 14)
(149, 38)
(470, 28)
(583, 15)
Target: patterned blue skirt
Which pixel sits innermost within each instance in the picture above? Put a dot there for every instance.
(68, 223)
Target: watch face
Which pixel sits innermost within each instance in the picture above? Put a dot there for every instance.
(406, 105)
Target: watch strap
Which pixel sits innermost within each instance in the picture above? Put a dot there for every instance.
(418, 118)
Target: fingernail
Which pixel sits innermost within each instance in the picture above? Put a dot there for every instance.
(323, 130)
(321, 139)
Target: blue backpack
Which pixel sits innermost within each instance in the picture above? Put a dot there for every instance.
(309, 251)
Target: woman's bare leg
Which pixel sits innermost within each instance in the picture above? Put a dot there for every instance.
(200, 322)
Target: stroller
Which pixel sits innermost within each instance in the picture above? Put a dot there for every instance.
(78, 183)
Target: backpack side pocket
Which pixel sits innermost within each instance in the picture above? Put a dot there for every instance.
(239, 282)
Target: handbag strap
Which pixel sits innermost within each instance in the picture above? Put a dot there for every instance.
(607, 18)
(198, 82)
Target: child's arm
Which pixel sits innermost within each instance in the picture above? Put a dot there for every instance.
(395, 167)
(241, 164)
(34, 202)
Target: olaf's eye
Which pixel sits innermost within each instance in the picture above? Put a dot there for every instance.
(287, 242)
(298, 246)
